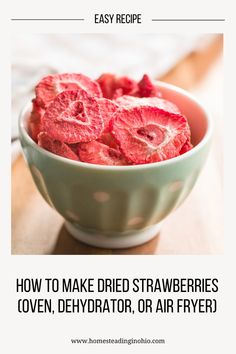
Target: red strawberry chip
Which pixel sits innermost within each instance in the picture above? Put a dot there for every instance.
(107, 84)
(131, 101)
(113, 86)
(147, 88)
(108, 139)
(101, 154)
(186, 147)
(74, 147)
(35, 120)
(128, 85)
(149, 134)
(73, 117)
(50, 86)
(107, 109)
(56, 146)
(117, 93)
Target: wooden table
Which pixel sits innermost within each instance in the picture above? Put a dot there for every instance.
(195, 228)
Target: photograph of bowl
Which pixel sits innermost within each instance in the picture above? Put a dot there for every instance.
(124, 163)
(119, 206)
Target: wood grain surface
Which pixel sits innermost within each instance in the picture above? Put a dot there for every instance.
(195, 228)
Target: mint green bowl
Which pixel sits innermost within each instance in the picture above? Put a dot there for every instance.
(119, 206)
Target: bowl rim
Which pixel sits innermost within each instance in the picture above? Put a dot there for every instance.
(159, 164)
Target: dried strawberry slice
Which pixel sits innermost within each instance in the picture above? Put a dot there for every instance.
(74, 147)
(113, 86)
(186, 147)
(101, 154)
(128, 85)
(118, 93)
(35, 120)
(108, 139)
(147, 88)
(50, 86)
(107, 84)
(73, 117)
(131, 101)
(149, 134)
(107, 109)
(56, 146)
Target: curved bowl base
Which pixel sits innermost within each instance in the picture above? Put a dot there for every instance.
(116, 240)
